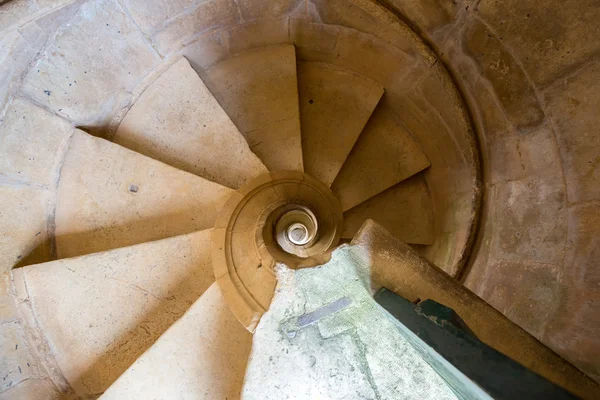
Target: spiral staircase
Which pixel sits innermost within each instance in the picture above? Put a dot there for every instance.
(169, 157)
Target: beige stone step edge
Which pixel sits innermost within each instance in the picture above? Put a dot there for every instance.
(178, 121)
(201, 356)
(41, 306)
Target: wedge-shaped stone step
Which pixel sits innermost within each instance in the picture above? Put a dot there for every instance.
(335, 105)
(109, 197)
(259, 91)
(177, 120)
(384, 155)
(99, 312)
(405, 210)
(202, 356)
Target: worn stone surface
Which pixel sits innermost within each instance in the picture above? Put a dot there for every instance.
(548, 37)
(258, 90)
(15, 12)
(7, 306)
(531, 306)
(312, 38)
(177, 121)
(24, 236)
(151, 16)
(516, 156)
(33, 143)
(32, 389)
(258, 33)
(253, 9)
(86, 72)
(335, 105)
(96, 338)
(205, 16)
(510, 83)
(16, 363)
(51, 21)
(384, 155)
(573, 328)
(365, 16)
(111, 197)
(531, 221)
(17, 49)
(427, 16)
(336, 353)
(207, 50)
(202, 355)
(573, 104)
(404, 209)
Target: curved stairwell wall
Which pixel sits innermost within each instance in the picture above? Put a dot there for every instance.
(527, 82)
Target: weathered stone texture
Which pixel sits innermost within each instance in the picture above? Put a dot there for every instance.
(573, 331)
(151, 16)
(335, 105)
(426, 16)
(176, 120)
(547, 36)
(517, 156)
(574, 105)
(530, 221)
(259, 91)
(368, 17)
(312, 38)
(109, 197)
(24, 238)
(384, 155)
(207, 50)
(523, 291)
(15, 12)
(86, 73)
(262, 32)
(16, 363)
(32, 144)
(17, 49)
(32, 389)
(99, 312)
(208, 15)
(497, 65)
(254, 9)
(7, 306)
(202, 355)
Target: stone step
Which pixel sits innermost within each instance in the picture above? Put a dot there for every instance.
(109, 197)
(335, 105)
(384, 155)
(405, 210)
(259, 91)
(201, 356)
(176, 120)
(98, 313)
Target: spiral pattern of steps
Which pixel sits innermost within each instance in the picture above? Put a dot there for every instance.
(138, 225)
(178, 149)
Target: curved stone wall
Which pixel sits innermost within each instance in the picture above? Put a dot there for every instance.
(528, 74)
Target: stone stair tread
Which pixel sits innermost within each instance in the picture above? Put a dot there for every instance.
(201, 356)
(335, 105)
(258, 89)
(101, 311)
(384, 155)
(405, 210)
(177, 120)
(109, 197)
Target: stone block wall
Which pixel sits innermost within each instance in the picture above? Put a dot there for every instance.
(527, 71)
